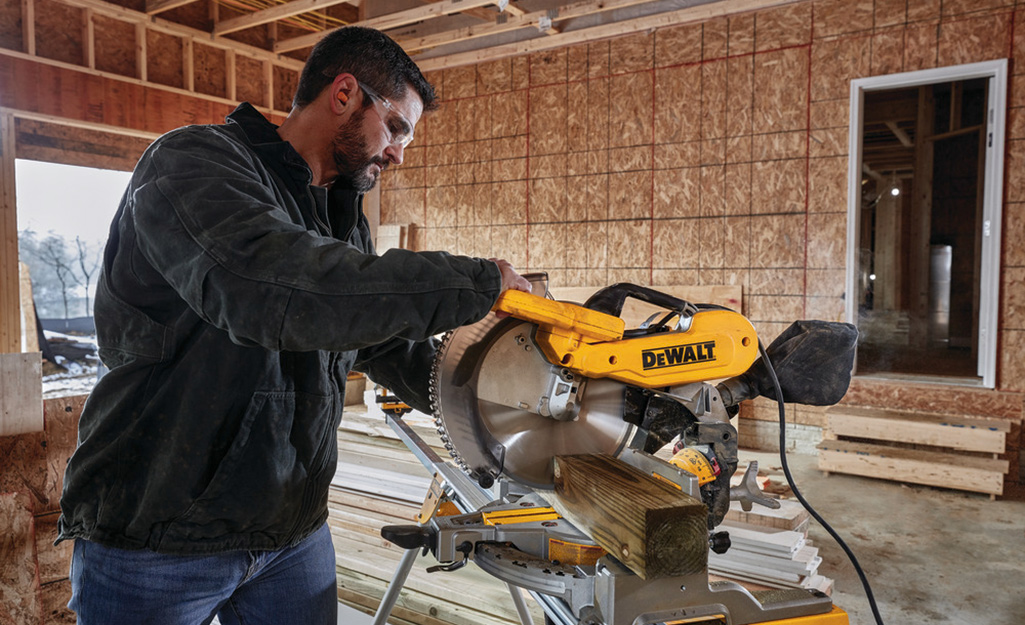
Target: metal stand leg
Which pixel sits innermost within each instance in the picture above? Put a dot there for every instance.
(398, 580)
(521, 605)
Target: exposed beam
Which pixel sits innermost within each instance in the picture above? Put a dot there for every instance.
(669, 18)
(132, 80)
(156, 6)
(523, 20)
(902, 136)
(74, 123)
(391, 20)
(273, 14)
(871, 172)
(178, 30)
(514, 10)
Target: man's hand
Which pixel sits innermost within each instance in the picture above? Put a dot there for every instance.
(511, 279)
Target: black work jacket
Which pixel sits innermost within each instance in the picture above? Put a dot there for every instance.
(230, 309)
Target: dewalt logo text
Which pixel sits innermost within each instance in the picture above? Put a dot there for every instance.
(678, 355)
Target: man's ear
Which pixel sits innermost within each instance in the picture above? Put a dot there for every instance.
(341, 91)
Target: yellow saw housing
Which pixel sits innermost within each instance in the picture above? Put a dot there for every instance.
(718, 344)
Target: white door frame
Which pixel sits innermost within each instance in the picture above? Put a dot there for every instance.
(993, 182)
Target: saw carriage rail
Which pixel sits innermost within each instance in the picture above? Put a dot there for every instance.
(552, 414)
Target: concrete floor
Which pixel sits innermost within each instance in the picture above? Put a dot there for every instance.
(931, 556)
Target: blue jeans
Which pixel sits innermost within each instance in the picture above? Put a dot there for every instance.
(136, 587)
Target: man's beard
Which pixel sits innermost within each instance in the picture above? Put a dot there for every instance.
(351, 156)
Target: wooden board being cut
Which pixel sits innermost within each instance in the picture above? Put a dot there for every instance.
(652, 528)
(981, 475)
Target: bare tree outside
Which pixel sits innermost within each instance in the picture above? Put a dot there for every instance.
(88, 262)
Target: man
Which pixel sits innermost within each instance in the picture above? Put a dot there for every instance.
(239, 287)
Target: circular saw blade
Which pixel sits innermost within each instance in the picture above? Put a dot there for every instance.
(487, 438)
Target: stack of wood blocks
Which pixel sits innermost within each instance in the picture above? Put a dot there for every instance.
(958, 452)
(380, 482)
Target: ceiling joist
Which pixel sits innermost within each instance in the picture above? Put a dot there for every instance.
(389, 21)
(273, 14)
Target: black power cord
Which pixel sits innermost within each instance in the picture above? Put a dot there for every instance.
(800, 497)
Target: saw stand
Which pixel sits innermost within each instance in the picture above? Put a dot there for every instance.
(451, 483)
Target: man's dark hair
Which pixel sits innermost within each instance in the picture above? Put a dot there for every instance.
(372, 57)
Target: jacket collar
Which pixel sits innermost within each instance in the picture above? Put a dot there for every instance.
(263, 136)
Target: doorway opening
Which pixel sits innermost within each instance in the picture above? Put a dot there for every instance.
(924, 222)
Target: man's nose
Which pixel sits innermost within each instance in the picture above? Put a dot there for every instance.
(394, 153)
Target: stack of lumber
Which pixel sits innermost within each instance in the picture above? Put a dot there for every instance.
(380, 482)
(770, 549)
(949, 451)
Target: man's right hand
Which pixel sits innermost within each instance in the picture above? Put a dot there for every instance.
(511, 279)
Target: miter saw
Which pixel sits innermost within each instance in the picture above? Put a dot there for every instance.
(541, 380)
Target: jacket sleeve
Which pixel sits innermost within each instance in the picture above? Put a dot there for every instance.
(404, 367)
(208, 220)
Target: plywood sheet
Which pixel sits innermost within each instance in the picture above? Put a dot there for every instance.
(10, 24)
(59, 32)
(54, 562)
(21, 393)
(54, 598)
(115, 46)
(164, 62)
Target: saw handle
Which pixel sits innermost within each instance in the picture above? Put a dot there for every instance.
(611, 299)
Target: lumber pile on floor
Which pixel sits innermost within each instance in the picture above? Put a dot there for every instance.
(957, 452)
(379, 482)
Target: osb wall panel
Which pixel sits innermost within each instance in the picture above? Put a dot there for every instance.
(164, 60)
(19, 581)
(59, 31)
(10, 25)
(210, 70)
(250, 85)
(115, 46)
(55, 143)
(285, 83)
(34, 585)
(705, 153)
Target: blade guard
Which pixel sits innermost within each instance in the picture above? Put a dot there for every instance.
(718, 344)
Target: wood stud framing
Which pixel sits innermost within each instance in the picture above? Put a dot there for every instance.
(144, 23)
(10, 298)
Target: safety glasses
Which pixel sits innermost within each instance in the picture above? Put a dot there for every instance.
(400, 130)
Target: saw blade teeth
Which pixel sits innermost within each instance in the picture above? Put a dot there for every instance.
(435, 398)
